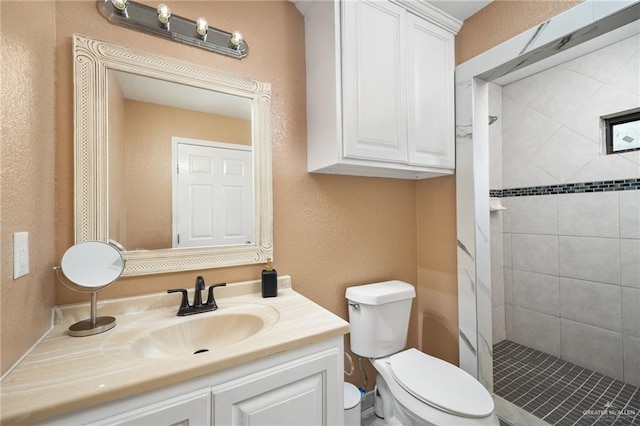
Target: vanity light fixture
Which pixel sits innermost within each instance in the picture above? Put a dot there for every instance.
(121, 5)
(160, 21)
(164, 14)
(202, 26)
(237, 42)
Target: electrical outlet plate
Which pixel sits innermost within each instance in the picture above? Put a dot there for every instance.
(20, 254)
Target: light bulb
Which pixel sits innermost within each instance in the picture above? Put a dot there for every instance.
(236, 38)
(119, 4)
(164, 13)
(202, 26)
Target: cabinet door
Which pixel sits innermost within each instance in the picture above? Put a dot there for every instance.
(374, 81)
(193, 409)
(302, 392)
(430, 95)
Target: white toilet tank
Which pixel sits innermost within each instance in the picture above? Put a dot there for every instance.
(379, 317)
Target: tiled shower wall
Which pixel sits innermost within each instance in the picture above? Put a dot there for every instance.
(570, 261)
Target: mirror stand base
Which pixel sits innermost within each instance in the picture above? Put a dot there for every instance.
(88, 327)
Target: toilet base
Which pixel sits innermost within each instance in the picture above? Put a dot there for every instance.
(394, 413)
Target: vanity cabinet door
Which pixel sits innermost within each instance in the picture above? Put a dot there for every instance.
(300, 392)
(193, 409)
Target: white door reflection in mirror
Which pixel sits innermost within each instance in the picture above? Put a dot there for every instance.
(213, 195)
(144, 114)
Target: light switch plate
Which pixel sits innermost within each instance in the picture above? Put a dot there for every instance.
(20, 254)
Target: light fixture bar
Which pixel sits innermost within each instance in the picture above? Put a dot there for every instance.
(144, 18)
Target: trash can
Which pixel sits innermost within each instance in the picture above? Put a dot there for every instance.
(352, 400)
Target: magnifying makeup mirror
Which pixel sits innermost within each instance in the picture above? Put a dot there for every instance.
(88, 267)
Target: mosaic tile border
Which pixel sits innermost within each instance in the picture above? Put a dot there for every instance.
(569, 188)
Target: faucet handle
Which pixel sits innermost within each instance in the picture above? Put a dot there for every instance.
(185, 298)
(210, 299)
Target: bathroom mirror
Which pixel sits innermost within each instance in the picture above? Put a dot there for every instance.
(147, 129)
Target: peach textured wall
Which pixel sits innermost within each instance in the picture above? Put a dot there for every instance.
(27, 97)
(148, 131)
(437, 299)
(329, 231)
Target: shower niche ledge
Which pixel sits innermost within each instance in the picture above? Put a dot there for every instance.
(495, 204)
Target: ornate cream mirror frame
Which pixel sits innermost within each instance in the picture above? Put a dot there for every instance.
(92, 60)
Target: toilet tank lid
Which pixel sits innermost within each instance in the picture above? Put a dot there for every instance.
(380, 293)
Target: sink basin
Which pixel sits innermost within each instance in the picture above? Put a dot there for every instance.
(196, 334)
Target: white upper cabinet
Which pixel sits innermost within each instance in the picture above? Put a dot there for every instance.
(430, 118)
(374, 81)
(380, 89)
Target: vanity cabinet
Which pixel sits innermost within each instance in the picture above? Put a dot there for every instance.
(297, 387)
(379, 89)
(190, 409)
(291, 394)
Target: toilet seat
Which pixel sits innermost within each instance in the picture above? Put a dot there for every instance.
(440, 384)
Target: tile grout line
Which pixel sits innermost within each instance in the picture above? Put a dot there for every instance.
(594, 402)
(564, 387)
(583, 398)
(540, 373)
(520, 368)
(627, 404)
(569, 397)
(566, 380)
(616, 397)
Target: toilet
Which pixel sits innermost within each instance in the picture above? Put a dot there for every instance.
(415, 388)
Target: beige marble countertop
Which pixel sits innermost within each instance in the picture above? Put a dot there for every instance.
(62, 374)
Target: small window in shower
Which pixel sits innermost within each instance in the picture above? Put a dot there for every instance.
(622, 132)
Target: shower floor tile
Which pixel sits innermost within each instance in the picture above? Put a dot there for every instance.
(559, 392)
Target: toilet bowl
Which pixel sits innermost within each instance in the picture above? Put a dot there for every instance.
(433, 394)
(416, 388)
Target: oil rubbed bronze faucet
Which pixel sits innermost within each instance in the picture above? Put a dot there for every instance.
(198, 307)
